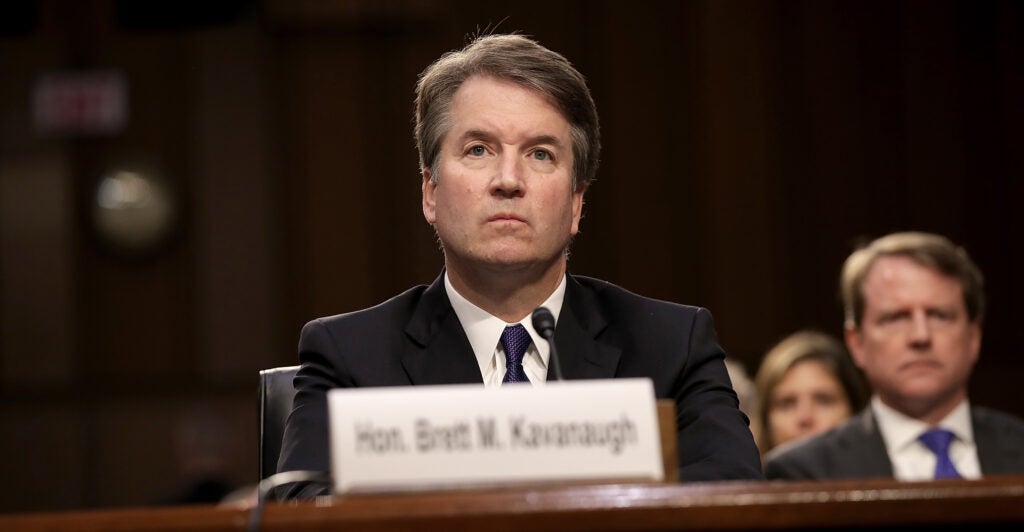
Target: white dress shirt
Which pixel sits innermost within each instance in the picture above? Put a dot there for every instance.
(911, 459)
(484, 333)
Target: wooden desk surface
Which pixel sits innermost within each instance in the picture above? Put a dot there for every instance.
(996, 501)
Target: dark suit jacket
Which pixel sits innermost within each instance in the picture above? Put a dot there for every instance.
(603, 332)
(856, 449)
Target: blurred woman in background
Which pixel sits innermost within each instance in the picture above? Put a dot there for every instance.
(806, 384)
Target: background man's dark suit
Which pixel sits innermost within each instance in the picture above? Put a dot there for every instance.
(856, 449)
(603, 332)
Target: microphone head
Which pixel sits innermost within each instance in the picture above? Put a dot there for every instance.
(544, 322)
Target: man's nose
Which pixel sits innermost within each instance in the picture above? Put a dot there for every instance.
(508, 181)
(920, 331)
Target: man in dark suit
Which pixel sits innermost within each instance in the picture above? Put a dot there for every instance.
(508, 139)
(914, 306)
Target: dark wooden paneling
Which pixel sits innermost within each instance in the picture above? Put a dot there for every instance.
(748, 146)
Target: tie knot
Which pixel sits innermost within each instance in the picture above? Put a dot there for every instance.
(937, 440)
(515, 339)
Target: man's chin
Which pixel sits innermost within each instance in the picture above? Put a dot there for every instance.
(918, 390)
(922, 396)
(510, 256)
(508, 263)
(516, 262)
(507, 258)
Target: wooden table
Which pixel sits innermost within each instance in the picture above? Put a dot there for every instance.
(997, 501)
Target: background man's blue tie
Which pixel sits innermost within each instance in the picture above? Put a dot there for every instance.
(515, 339)
(937, 441)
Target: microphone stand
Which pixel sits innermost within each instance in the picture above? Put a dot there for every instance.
(544, 324)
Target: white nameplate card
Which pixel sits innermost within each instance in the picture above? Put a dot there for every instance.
(428, 437)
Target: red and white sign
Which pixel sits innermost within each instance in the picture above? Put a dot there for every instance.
(80, 103)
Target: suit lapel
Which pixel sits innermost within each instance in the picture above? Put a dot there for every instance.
(996, 455)
(987, 442)
(580, 322)
(440, 352)
(865, 449)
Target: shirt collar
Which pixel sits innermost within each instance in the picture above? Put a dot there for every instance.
(484, 330)
(900, 430)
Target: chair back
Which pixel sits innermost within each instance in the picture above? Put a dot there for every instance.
(276, 394)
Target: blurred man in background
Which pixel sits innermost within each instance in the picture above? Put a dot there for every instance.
(914, 305)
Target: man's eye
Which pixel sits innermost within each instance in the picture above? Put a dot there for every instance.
(890, 318)
(477, 151)
(542, 155)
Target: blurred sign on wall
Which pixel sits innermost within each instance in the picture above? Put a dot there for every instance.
(80, 103)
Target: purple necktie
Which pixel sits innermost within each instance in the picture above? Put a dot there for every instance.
(937, 441)
(515, 340)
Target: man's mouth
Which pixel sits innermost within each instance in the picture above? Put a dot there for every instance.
(920, 364)
(506, 217)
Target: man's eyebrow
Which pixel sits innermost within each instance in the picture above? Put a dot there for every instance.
(490, 137)
(477, 134)
(546, 139)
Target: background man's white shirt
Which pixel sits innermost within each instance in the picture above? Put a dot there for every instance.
(911, 460)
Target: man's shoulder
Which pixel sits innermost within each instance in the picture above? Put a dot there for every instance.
(820, 456)
(1000, 440)
(613, 295)
(828, 442)
(645, 319)
(998, 420)
(395, 309)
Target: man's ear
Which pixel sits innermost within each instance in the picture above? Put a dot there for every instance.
(974, 341)
(577, 207)
(429, 186)
(855, 344)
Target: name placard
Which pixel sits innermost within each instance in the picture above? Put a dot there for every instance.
(428, 437)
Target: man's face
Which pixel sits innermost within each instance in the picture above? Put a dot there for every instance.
(915, 342)
(503, 197)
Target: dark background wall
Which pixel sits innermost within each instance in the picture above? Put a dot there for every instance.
(749, 146)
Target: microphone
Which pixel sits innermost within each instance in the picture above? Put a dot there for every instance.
(544, 324)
